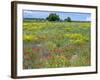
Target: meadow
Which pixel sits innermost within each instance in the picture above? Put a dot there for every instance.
(54, 44)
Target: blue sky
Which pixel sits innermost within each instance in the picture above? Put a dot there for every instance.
(43, 14)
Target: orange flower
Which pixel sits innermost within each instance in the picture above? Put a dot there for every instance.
(49, 57)
(27, 58)
(27, 52)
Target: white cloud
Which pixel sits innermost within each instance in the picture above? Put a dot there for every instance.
(88, 18)
(28, 12)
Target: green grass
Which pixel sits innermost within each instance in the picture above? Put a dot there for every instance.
(56, 44)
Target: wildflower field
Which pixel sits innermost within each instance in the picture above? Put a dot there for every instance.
(56, 44)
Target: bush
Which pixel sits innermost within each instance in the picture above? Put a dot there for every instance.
(68, 19)
(29, 38)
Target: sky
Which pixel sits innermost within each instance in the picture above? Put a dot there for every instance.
(43, 14)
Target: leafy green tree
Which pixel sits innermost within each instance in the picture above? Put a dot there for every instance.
(68, 19)
(53, 17)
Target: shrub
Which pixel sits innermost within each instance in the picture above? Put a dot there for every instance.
(57, 61)
(68, 19)
(29, 38)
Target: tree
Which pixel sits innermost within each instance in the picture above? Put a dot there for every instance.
(68, 19)
(53, 17)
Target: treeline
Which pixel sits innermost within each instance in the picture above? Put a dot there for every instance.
(51, 17)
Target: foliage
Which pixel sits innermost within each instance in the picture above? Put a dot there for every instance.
(68, 19)
(53, 17)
